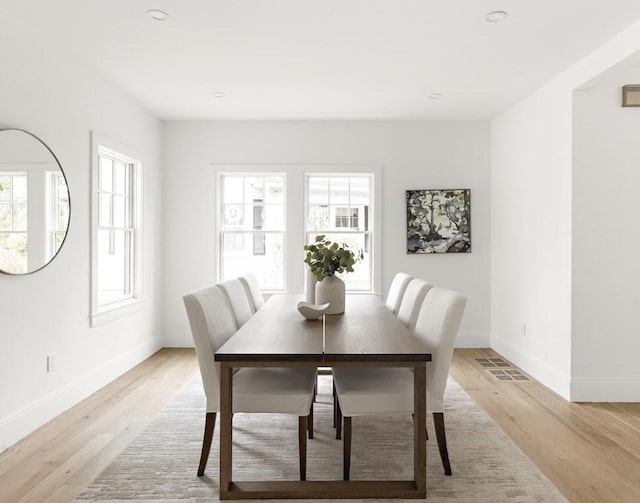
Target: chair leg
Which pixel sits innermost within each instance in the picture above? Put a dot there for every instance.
(338, 414)
(209, 427)
(310, 422)
(335, 405)
(438, 422)
(315, 390)
(346, 457)
(302, 445)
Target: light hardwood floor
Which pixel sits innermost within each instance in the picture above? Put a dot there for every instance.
(591, 452)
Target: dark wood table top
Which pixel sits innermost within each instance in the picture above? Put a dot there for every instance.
(366, 332)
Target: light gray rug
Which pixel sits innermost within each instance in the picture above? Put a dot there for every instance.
(160, 465)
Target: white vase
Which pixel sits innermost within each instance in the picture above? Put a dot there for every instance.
(331, 289)
(311, 287)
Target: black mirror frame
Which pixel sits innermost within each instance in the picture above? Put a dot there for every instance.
(68, 190)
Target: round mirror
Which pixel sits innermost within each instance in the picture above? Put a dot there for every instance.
(34, 203)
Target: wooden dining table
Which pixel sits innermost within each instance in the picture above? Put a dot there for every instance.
(366, 335)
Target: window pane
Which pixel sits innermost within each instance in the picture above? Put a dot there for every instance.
(232, 189)
(113, 275)
(106, 174)
(5, 188)
(233, 216)
(19, 188)
(318, 217)
(20, 217)
(274, 190)
(318, 190)
(104, 212)
(339, 188)
(5, 217)
(273, 217)
(13, 252)
(359, 191)
(253, 189)
(120, 211)
(121, 172)
(261, 253)
(63, 203)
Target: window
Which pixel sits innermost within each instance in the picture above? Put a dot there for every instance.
(347, 217)
(57, 203)
(14, 222)
(266, 213)
(116, 229)
(334, 205)
(252, 233)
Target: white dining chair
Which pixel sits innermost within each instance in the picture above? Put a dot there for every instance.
(412, 302)
(396, 291)
(253, 290)
(255, 389)
(389, 391)
(238, 299)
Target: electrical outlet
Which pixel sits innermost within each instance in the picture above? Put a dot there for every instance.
(51, 362)
(524, 329)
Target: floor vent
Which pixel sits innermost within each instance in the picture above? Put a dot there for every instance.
(493, 362)
(501, 370)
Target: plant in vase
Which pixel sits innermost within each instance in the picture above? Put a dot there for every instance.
(326, 259)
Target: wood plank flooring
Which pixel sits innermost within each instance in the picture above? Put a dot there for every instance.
(591, 452)
(57, 461)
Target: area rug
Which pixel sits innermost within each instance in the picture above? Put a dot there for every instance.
(160, 465)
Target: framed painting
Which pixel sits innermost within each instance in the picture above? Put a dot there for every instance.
(439, 221)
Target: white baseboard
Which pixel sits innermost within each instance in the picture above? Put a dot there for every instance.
(17, 426)
(605, 390)
(472, 340)
(536, 367)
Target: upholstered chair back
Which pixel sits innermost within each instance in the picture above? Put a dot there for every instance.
(212, 324)
(412, 302)
(396, 291)
(437, 325)
(238, 298)
(254, 292)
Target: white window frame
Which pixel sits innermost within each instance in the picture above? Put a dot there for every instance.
(296, 215)
(258, 171)
(375, 219)
(52, 204)
(105, 313)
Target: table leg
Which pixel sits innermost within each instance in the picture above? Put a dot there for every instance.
(226, 429)
(420, 429)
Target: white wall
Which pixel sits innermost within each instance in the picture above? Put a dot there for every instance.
(413, 155)
(48, 312)
(531, 223)
(606, 269)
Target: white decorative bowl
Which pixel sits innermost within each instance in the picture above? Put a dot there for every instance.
(312, 311)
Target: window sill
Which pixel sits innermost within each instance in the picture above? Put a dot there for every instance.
(115, 311)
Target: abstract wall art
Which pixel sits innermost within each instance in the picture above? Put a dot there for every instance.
(439, 221)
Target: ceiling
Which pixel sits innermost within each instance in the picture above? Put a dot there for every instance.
(324, 59)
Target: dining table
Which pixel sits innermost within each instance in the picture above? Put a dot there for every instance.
(367, 334)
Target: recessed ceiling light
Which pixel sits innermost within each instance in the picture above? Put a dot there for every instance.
(435, 96)
(496, 16)
(158, 15)
(218, 94)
